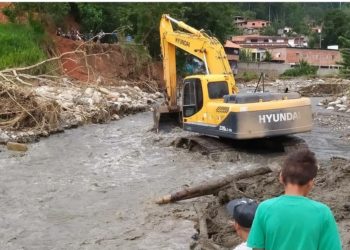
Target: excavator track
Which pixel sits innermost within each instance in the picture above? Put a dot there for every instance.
(215, 147)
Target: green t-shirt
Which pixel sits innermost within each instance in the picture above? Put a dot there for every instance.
(294, 223)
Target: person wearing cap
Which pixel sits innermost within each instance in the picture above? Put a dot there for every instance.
(242, 212)
(293, 221)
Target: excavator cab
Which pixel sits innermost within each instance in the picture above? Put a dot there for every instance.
(192, 97)
(190, 102)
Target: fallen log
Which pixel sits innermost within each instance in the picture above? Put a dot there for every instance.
(210, 187)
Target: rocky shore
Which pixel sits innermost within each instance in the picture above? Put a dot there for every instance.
(75, 105)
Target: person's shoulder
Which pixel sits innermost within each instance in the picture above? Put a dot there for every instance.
(320, 206)
(269, 202)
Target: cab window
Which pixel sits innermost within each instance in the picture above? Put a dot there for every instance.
(189, 95)
(192, 97)
(217, 90)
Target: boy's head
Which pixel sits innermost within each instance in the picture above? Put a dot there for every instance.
(242, 211)
(299, 168)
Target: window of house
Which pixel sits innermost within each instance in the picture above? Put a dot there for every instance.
(254, 40)
(258, 56)
(230, 51)
(253, 24)
(263, 24)
(333, 57)
(217, 90)
(266, 40)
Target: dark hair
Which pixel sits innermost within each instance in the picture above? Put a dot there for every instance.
(299, 168)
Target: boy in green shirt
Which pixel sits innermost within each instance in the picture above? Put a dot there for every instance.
(292, 221)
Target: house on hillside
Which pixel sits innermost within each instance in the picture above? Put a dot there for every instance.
(232, 51)
(322, 58)
(258, 45)
(298, 42)
(250, 26)
(284, 31)
(256, 41)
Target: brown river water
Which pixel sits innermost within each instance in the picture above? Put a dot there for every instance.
(94, 187)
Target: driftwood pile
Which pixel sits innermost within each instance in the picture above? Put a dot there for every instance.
(21, 110)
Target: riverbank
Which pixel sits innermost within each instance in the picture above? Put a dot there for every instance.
(28, 113)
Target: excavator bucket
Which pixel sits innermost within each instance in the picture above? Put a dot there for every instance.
(164, 118)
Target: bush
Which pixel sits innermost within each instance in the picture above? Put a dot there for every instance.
(245, 55)
(137, 51)
(20, 45)
(268, 56)
(302, 69)
(249, 76)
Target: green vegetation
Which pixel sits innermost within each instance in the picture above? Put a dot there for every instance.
(245, 55)
(19, 44)
(345, 53)
(55, 12)
(302, 69)
(141, 20)
(248, 76)
(297, 15)
(136, 51)
(268, 56)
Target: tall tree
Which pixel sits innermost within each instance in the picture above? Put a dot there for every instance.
(345, 54)
(336, 24)
(54, 11)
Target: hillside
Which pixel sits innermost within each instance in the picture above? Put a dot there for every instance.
(105, 63)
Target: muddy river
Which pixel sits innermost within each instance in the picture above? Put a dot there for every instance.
(93, 187)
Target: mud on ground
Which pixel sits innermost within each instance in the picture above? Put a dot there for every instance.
(332, 187)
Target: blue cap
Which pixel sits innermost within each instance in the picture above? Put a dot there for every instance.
(242, 211)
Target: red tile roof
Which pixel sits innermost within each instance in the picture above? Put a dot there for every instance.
(230, 44)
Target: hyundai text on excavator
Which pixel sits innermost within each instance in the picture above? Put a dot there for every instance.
(211, 104)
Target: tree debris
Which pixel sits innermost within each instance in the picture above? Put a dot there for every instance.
(210, 187)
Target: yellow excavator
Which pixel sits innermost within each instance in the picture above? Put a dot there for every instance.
(210, 103)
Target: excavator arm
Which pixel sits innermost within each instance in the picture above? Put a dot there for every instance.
(196, 43)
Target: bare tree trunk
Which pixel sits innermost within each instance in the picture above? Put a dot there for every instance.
(210, 187)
